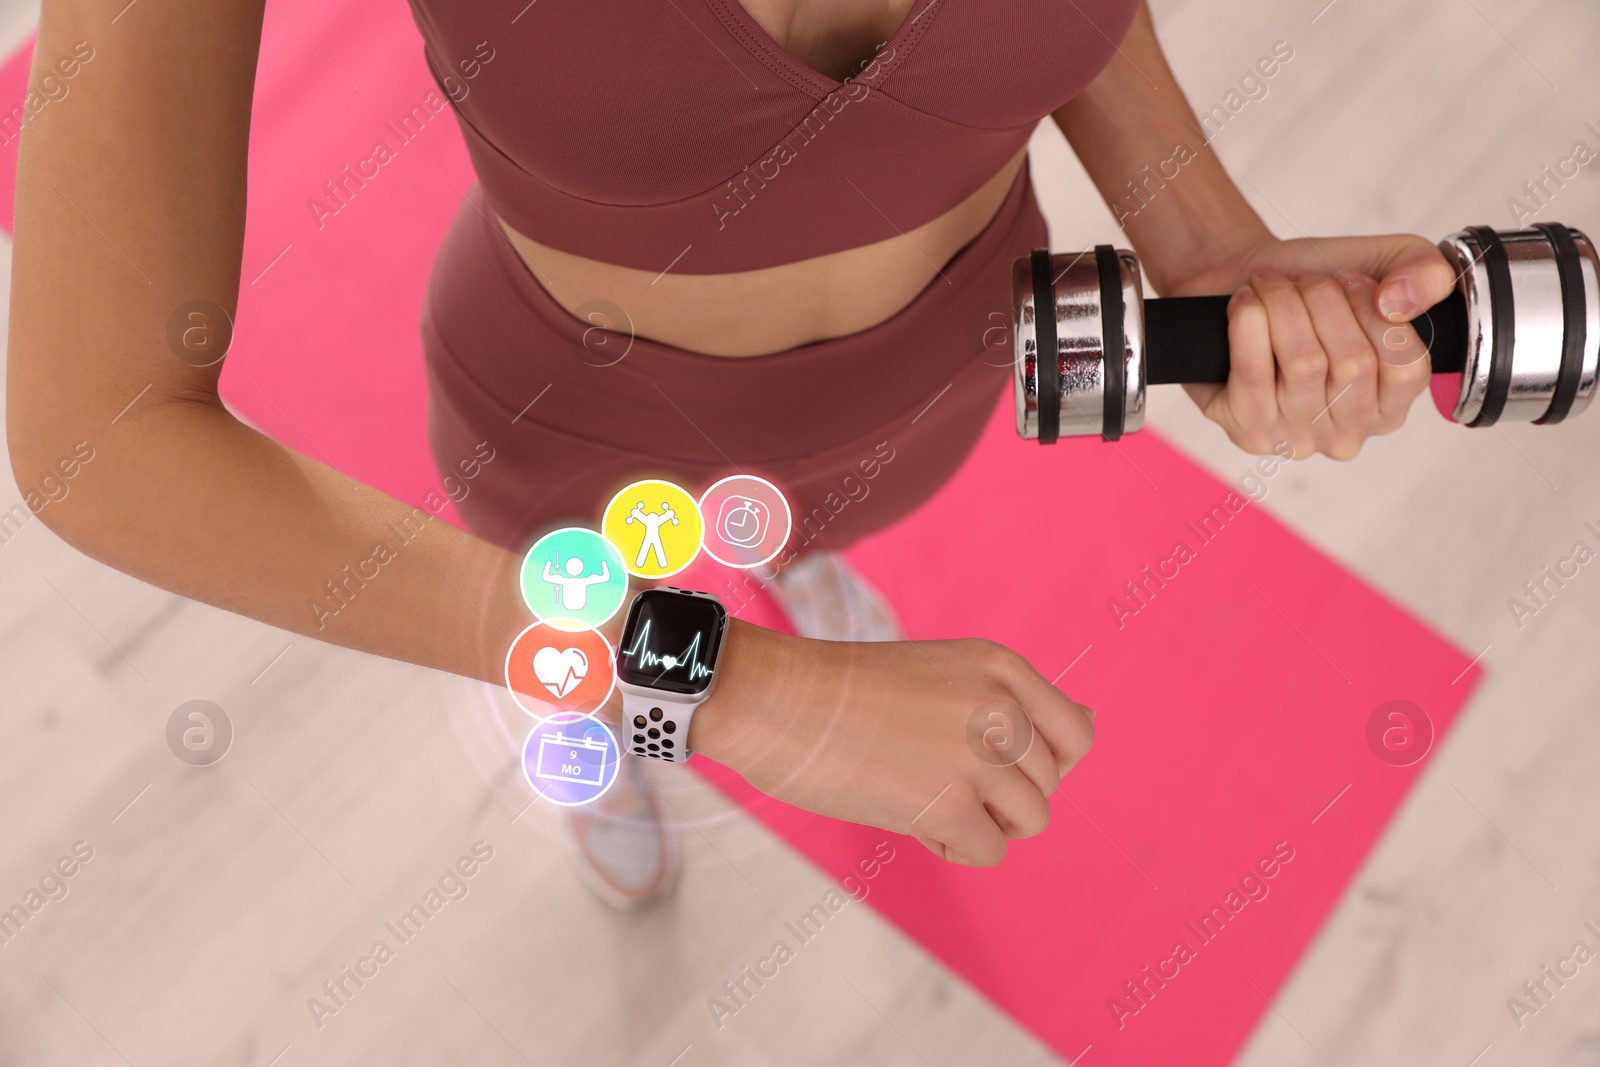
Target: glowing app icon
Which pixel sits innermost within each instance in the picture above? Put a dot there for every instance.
(551, 670)
(657, 526)
(574, 579)
(571, 759)
(752, 521)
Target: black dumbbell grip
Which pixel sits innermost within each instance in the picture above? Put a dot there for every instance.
(1186, 337)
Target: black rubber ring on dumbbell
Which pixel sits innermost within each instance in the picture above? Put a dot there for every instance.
(1047, 362)
(1502, 306)
(1113, 357)
(1573, 315)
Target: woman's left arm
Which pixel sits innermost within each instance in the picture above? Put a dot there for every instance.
(1315, 359)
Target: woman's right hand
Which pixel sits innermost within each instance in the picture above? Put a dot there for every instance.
(878, 733)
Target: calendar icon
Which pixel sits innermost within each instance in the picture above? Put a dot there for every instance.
(571, 759)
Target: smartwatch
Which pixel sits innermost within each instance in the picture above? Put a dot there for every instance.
(666, 666)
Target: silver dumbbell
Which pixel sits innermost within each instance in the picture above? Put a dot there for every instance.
(1519, 339)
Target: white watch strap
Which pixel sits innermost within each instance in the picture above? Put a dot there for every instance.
(656, 728)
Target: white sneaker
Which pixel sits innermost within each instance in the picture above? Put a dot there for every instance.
(622, 846)
(827, 599)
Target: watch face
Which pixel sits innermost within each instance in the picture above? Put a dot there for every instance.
(671, 641)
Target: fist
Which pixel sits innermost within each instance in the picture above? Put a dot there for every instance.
(1321, 352)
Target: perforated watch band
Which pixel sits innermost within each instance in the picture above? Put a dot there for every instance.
(656, 728)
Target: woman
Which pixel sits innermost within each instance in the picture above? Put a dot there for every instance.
(788, 213)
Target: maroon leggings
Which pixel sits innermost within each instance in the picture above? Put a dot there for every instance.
(858, 430)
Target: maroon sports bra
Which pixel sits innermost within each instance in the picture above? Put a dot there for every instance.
(677, 133)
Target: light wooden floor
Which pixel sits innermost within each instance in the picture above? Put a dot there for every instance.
(219, 899)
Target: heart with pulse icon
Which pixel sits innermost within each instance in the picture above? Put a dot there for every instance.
(560, 671)
(548, 668)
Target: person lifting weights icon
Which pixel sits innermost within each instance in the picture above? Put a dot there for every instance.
(653, 521)
(574, 585)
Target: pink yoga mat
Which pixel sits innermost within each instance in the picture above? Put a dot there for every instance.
(1234, 703)
(1232, 724)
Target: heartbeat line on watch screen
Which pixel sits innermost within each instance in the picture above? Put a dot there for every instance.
(688, 659)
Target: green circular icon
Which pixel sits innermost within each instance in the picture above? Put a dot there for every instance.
(574, 579)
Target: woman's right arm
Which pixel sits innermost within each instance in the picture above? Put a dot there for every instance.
(131, 202)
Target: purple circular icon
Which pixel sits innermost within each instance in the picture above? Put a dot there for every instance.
(571, 759)
(1399, 733)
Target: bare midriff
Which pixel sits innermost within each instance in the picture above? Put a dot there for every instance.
(758, 312)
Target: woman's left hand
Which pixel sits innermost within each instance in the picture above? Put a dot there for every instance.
(1320, 353)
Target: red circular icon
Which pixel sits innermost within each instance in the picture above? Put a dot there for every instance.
(747, 521)
(550, 670)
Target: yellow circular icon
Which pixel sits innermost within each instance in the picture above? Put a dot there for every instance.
(656, 525)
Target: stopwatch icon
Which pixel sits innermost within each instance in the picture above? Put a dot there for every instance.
(747, 521)
(741, 521)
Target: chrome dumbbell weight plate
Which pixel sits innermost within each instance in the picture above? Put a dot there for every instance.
(1092, 302)
(1533, 326)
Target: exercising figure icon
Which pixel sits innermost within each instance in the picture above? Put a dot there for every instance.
(557, 584)
(656, 539)
(652, 531)
(574, 585)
